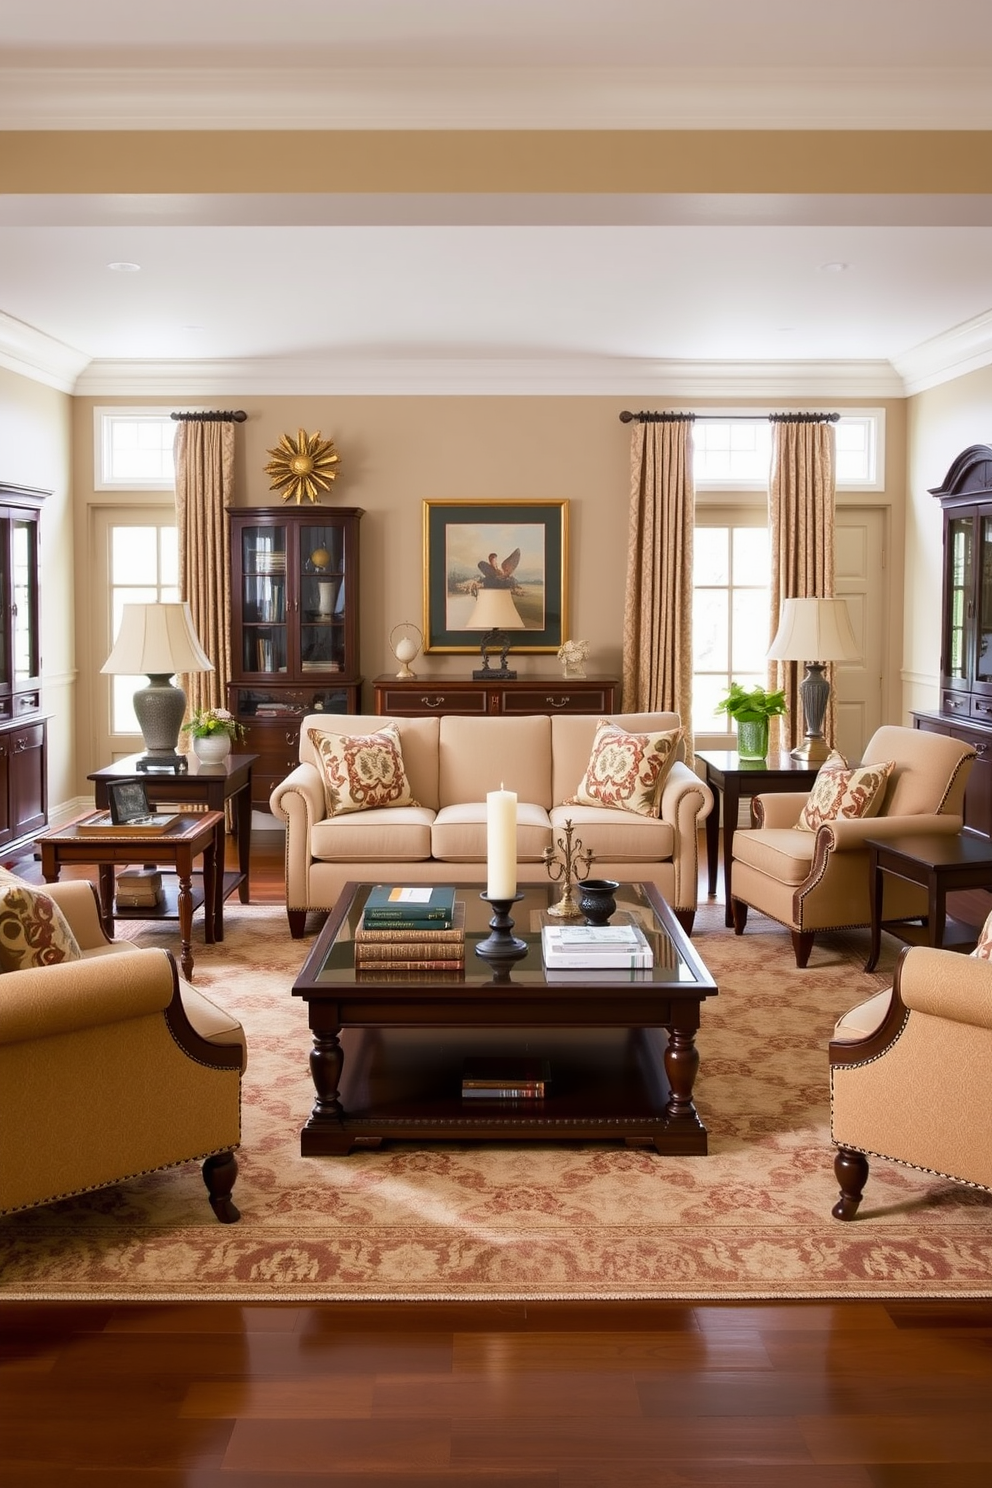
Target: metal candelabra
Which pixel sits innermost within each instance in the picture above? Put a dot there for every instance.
(571, 868)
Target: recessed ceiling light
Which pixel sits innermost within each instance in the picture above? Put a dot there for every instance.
(194, 328)
(125, 268)
(834, 268)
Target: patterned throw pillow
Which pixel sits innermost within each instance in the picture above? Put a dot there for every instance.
(627, 771)
(33, 930)
(362, 771)
(838, 791)
(983, 949)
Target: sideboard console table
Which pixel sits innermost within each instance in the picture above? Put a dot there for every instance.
(416, 697)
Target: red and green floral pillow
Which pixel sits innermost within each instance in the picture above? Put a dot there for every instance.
(840, 791)
(33, 930)
(362, 771)
(627, 771)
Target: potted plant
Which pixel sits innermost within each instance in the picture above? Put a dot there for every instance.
(212, 731)
(751, 709)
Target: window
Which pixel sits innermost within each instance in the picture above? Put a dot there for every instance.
(144, 569)
(735, 453)
(730, 617)
(133, 449)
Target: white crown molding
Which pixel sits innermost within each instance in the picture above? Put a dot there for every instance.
(41, 358)
(453, 377)
(315, 97)
(964, 348)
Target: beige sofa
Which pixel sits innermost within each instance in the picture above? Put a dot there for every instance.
(451, 763)
(111, 1066)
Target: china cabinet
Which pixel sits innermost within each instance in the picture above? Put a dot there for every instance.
(294, 628)
(965, 709)
(23, 729)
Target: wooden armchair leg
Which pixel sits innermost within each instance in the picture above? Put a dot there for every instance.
(802, 944)
(739, 911)
(851, 1172)
(219, 1173)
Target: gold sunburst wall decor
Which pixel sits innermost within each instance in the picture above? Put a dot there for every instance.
(303, 466)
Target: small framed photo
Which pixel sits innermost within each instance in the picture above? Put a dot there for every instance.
(519, 546)
(128, 800)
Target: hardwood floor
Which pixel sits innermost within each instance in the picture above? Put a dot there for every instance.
(537, 1395)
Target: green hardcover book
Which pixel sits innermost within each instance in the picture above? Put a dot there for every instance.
(421, 904)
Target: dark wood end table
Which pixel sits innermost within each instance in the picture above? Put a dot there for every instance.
(389, 1049)
(211, 786)
(730, 778)
(939, 862)
(188, 838)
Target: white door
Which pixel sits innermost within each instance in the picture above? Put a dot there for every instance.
(861, 577)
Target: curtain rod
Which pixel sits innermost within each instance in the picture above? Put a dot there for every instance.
(237, 417)
(729, 418)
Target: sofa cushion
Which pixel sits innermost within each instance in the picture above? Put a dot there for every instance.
(780, 853)
(393, 834)
(33, 930)
(478, 755)
(361, 772)
(459, 833)
(839, 792)
(616, 836)
(626, 771)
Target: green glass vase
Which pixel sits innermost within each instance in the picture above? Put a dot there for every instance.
(752, 738)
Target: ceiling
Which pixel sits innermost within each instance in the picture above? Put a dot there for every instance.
(539, 292)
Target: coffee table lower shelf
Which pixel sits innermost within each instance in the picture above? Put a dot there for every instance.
(405, 1084)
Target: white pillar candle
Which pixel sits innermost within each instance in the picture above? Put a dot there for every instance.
(501, 844)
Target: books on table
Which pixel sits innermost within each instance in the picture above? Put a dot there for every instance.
(415, 933)
(412, 945)
(505, 1078)
(393, 906)
(595, 947)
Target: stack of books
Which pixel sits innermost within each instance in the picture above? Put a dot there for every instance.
(409, 930)
(507, 1078)
(139, 888)
(595, 947)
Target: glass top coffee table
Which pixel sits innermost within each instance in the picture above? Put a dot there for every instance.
(389, 1052)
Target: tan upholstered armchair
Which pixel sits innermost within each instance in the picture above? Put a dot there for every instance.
(111, 1066)
(818, 880)
(909, 1075)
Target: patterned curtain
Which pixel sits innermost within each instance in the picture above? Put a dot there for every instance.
(204, 455)
(801, 528)
(657, 622)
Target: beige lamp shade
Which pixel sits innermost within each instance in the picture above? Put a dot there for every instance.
(814, 630)
(159, 640)
(494, 610)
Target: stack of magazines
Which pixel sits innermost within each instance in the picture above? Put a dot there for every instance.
(598, 947)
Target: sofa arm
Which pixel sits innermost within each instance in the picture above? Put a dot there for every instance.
(299, 802)
(78, 901)
(47, 1000)
(686, 801)
(946, 984)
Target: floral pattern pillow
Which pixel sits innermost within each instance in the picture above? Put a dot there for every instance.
(362, 771)
(839, 791)
(33, 930)
(627, 771)
(983, 949)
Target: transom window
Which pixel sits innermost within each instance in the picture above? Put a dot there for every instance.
(133, 449)
(736, 453)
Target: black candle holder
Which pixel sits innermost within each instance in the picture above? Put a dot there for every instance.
(501, 947)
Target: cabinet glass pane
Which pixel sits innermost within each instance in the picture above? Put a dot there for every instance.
(983, 663)
(960, 579)
(24, 576)
(263, 599)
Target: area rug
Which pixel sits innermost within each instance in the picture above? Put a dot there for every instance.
(493, 1221)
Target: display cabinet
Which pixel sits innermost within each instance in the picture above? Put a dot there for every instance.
(965, 709)
(294, 628)
(23, 729)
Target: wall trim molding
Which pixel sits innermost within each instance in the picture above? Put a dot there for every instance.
(40, 357)
(322, 97)
(953, 353)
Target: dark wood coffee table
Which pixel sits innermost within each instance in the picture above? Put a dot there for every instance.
(388, 1055)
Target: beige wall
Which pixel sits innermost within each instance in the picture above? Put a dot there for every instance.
(35, 423)
(940, 424)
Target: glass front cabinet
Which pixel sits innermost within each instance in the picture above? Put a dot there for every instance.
(294, 631)
(23, 729)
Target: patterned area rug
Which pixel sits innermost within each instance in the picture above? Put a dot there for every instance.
(498, 1221)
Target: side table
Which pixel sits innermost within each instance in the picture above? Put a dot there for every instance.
(187, 838)
(211, 786)
(730, 777)
(939, 862)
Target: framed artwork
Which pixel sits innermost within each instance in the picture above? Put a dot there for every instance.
(128, 801)
(520, 547)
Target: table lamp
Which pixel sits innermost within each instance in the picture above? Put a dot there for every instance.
(820, 628)
(159, 640)
(495, 613)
